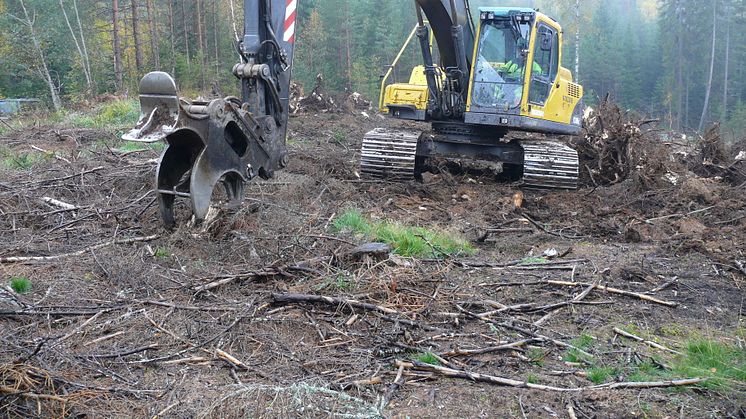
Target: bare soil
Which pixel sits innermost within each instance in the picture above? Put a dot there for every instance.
(127, 329)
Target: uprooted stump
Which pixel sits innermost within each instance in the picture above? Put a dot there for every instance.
(713, 160)
(318, 100)
(613, 147)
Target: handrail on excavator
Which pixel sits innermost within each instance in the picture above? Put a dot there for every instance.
(385, 78)
(381, 106)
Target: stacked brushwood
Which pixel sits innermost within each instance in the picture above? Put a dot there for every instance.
(614, 148)
(320, 101)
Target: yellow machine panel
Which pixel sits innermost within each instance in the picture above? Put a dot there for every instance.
(414, 93)
(563, 95)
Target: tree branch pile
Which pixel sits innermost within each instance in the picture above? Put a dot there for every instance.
(27, 391)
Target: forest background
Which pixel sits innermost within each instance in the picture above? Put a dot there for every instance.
(682, 61)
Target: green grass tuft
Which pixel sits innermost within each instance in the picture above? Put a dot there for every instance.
(119, 113)
(354, 222)
(116, 114)
(533, 260)
(599, 375)
(721, 364)
(21, 285)
(161, 253)
(583, 342)
(407, 241)
(724, 366)
(426, 358)
(339, 137)
(532, 378)
(536, 355)
(340, 282)
(83, 121)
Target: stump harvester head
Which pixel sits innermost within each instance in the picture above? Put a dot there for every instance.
(231, 140)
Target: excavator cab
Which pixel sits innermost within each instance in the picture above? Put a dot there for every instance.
(517, 81)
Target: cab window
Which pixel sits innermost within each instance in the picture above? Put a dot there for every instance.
(545, 65)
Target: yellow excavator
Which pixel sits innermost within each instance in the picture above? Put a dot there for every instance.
(498, 93)
(497, 80)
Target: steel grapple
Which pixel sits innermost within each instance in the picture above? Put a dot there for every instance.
(207, 143)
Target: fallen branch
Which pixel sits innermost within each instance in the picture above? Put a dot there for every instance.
(59, 179)
(310, 298)
(616, 291)
(9, 391)
(491, 379)
(183, 307)
(662, 287)
(398, 381)
(575, 300)
(51, 153)
(59, 204)
(507, 346)
(647, 342)
(517, 262)
(103, 338)
(267, 272)
(16, 259)
(650, 220)
(525, 332)
(121, 354)
(225, 356)
(741, 266)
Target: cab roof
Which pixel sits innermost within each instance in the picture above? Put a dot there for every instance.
(506, 11)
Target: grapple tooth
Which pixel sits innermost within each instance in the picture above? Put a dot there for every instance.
(159, 108)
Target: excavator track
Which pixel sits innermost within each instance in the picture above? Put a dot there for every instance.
(389, 154)
(550, 165)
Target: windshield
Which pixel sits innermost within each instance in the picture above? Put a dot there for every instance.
(498, 76)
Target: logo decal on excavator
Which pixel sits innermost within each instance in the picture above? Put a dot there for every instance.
(290, 14)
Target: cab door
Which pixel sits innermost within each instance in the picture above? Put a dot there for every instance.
(544, 68)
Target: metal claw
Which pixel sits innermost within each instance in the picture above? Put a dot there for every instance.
(206, 143)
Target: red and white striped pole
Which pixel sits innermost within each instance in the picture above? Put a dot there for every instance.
(290, 15)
